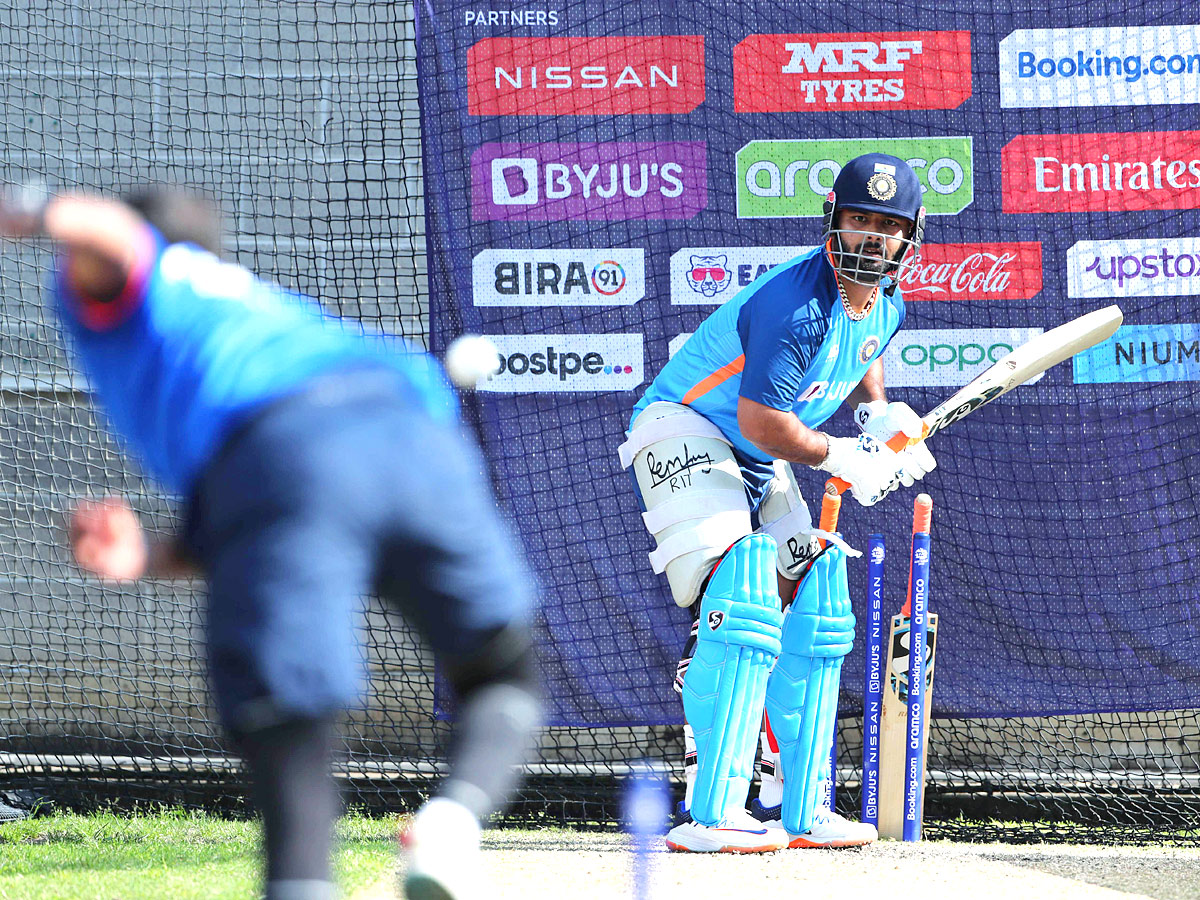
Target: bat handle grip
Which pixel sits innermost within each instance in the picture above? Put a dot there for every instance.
(898, 441)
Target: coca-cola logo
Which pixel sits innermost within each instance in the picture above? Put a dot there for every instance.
(1011, 271)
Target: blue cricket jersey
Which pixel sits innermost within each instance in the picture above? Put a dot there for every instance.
(784, 341)
(195, 345)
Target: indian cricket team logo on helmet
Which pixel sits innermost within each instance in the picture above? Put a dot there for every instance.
(882, 185)
(868, 349)
(715, 618)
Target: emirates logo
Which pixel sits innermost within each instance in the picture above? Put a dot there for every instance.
(881, 186)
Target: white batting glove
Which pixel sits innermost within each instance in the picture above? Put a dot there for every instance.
(883, 420)
(872, 469)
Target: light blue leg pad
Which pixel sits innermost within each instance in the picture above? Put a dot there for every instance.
(802, 693)
(726, 681)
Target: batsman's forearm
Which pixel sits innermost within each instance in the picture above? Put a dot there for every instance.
(166, 559)
(795, 442)
(870, 388)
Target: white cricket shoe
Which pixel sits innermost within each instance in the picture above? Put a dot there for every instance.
(829, 830)
(442, 847)
(738, 833)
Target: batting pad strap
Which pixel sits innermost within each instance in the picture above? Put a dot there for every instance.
(737, 642)
(640, 438)
(790, 524)
(698, 505)
(713, 535)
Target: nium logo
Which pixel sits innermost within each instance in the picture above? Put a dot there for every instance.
(711, 275)
(604, 181)
(602, 277)
(793, 178)
(948, 357)
(535, 363)
(1100, 67)
(1118, 171)
(1143, 353)
(614, 75)
(999, 271)
(859, 70)
(1134, 268)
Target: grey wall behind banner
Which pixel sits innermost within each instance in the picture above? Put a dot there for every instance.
(582, 163)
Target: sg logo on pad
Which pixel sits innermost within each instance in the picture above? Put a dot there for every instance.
(715, 618)
(514, 181)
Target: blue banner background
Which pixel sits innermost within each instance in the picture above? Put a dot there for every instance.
(1065, 516)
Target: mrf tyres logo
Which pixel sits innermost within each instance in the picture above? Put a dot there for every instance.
(1137, 66)
(592, 181)
(784, 179)
(1115, 172)
(994, 271)
(550, 363)
(609, 277)
(1145, 353)
(948, 357)
(708, 276)
(578, 76)
(858, 70)
(1166, 267)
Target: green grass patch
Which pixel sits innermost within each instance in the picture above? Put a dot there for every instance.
(187, 856)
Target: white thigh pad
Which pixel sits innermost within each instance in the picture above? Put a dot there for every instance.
(785, 517)
(692, 489)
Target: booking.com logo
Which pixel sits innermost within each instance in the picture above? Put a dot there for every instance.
(1130, 68)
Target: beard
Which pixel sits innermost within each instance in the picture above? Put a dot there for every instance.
(864, 262)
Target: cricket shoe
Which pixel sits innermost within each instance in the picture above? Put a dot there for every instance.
(739, 832)
(442, 848)
(828, 828)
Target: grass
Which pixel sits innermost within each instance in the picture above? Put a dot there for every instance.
(186, 856)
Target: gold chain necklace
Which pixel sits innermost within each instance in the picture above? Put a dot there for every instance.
(856, 316)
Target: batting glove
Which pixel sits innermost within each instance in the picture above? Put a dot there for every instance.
(872, 469)
(883, 421)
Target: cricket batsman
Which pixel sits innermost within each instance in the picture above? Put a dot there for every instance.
(710, 447)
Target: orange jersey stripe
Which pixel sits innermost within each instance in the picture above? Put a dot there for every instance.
(718, 377)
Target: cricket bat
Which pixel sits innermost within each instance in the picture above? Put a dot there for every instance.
(1025, 362)
(894, 724)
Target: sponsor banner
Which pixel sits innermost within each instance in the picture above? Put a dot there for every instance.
(579, 76)
(997, 271)
(1153, 353)
(948, 357)
(1100, 66)
(858, 70)
(510, 18)
(559, 277)
(548, 363)
(593, 181)
(1091, 172)
(1163, 267)
(783, 179)
(708, 276)
(677, 343)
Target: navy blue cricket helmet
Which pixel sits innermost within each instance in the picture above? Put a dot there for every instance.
(878, 183)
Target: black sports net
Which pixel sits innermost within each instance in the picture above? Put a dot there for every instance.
(302, 118)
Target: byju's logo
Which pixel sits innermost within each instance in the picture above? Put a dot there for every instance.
(1100, 66)
(1150, 353)
(793, 178)
(542, 363)
(1135, 268)
(862, 70)
(708, 276)
(608, 277)
(596, 181)
(948, 357)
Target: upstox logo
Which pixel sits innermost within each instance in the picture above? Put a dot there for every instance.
(948, 357)
(608, 277)
(1147, 353)
(785, 179)
(551, 363)
(1166, 267)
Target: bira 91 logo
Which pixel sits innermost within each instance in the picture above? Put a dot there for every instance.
(708, 276)
(577, 76)
(592, 181)
(607, 277)
(551, 363)
(777, 179)
(1117, 172)
(859, 70)
(1000, 271)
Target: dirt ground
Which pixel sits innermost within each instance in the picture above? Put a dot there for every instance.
(564, 865)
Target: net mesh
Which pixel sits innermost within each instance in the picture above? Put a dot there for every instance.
(303, 118)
